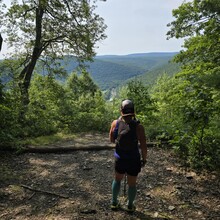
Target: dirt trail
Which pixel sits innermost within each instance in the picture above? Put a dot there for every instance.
(77, 185)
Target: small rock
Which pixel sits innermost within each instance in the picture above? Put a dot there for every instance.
(189, 177)
(179, 187)
(87, 168)
(171, 208)
(148, 195)
(156, 214)
(169, 169)
(88, 211)
(199, 213)
(149, 186)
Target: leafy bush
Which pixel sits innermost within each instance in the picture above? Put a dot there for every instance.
(188, 114)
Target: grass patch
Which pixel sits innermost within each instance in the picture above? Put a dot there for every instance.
(49, 139)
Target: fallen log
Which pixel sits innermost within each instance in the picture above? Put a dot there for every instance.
(63, 149)
(77, 147)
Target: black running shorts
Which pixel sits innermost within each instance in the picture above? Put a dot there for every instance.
(130, 166)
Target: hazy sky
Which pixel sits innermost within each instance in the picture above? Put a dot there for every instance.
(135, 26)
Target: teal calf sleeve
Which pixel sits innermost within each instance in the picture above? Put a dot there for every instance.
(132, 190)
(115, 191)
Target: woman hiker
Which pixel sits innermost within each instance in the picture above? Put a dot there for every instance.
(126, 132)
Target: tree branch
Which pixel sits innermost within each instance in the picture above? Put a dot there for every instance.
(43, 191)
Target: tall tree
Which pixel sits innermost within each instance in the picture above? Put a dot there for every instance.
(198, 21)
(49, 29)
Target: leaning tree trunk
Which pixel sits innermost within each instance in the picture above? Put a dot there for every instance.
(26, 73)
(24, 84)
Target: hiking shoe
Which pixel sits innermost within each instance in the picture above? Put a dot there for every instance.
(115, 206)
(131, 209)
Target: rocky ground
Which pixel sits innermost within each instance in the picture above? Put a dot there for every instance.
(77, 185)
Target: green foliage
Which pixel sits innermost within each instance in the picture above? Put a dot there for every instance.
(199, 21)
(29, 24)
(188, 115)
(47, 140)
(150, 77)
(89, 113)
(197, 138)
(195, 17)
(81, 85)
(168, 96)
(33, 32)
(82, 93)
(10, 129)
(145, 107)
(6, 126)
(46, 95)
(75, 106)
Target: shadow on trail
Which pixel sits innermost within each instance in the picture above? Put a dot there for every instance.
(77, 185)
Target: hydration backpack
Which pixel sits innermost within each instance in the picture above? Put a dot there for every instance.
(126, 136)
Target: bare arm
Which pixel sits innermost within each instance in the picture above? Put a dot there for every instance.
(111, 132)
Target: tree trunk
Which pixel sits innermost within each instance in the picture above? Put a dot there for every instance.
(26, 73)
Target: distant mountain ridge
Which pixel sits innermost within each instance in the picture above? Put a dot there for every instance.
(112, 71)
